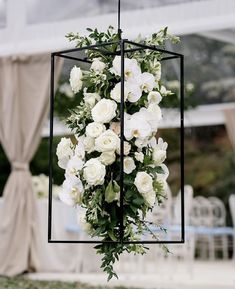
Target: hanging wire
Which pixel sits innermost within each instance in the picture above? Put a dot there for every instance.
(119, 19)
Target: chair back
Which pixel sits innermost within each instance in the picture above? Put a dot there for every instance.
(218, 211)
(232, 207)
(201, 213)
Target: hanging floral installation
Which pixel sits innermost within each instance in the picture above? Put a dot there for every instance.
(92, 163)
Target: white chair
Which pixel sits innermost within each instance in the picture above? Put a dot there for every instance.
(186, 251)
(209, 214)
(202, 216)
(219, 220)
(188, 199)
(232, 210)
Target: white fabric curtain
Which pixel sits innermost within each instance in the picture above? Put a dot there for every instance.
(24, 103)
(229, 115)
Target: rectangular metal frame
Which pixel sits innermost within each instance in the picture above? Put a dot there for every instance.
(122, 51)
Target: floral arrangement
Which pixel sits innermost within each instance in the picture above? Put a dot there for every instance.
(92, 162)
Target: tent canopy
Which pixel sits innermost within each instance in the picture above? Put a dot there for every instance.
(32, 26)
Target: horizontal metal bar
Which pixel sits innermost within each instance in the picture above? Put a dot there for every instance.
(74, 58)
(117, 242)
(155, 242)
(85, 47)
(153, 48)
(83, 242)
(170, 57)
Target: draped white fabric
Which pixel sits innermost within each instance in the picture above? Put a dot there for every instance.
(24, 103)
(230, 124)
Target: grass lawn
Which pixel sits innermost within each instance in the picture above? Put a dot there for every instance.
(23, 283)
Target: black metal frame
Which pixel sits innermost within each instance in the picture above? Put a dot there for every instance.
(122, 51)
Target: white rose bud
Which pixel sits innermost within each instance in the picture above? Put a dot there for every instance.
(127, 148)
(129, 165)
(98, 65)
(154, 97)
(104, 111)
(159, 156)
(64, 152)
(164, 91)
(107, 141)
(89, 144)
(107, 158)
(115, 127)
(76, 79)
(139, 156)
(91, 98)
(94, 172)
(94, 129)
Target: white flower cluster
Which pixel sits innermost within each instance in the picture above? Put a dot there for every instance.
(85, 163)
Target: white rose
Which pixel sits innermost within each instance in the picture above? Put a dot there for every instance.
(107, 141)
(147, 82)
(104, 111)
(89, 144)
(129, 165)
(76, 79)
(72, 190)
(95, 129)
(143, 183)
(139, 156)
(154, 97)
(91, 98)
(131, 67)
(94, 172)
(98, 65)
(116, 92)
(107, 158)
(159, 156)
(74, 166)
(64, 152)
(127, 148)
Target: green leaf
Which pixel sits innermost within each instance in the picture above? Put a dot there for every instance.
(110, 193)
(112, 236)
(138, 201)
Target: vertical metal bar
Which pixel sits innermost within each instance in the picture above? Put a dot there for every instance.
(182, 145)
(51, 145)
(122, 47)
